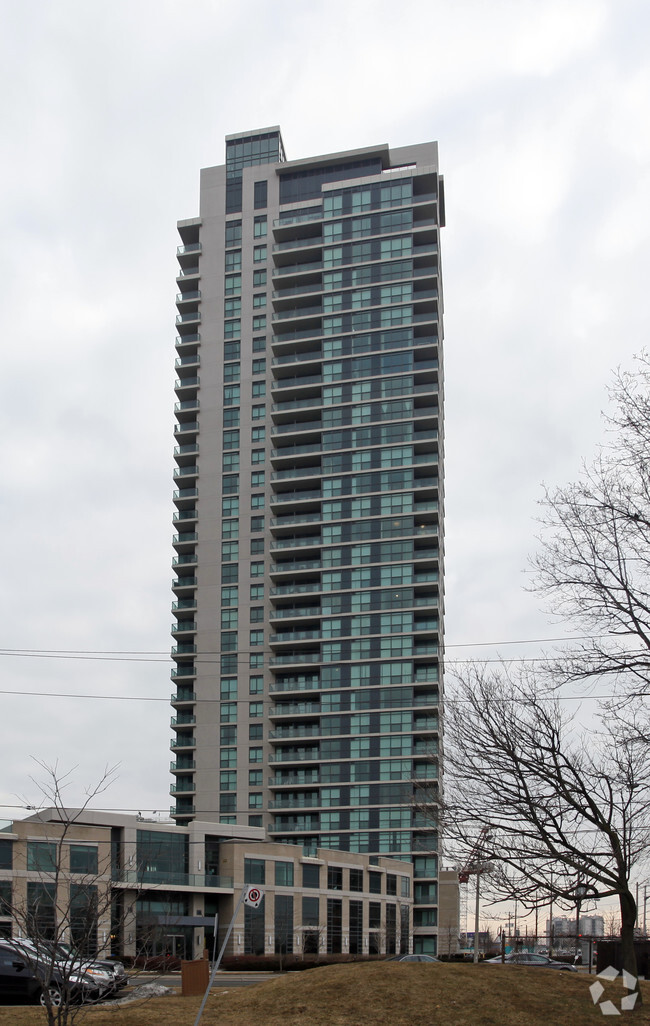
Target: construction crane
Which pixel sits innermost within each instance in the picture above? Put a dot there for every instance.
(476, 865)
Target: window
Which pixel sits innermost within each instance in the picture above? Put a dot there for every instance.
(259, 389)
(259, 366)
(256, 778)
(232, 329)
(257, 546)
(231, 372)
(259, 226)
(310, 876)
(230, 573)
(230, 484)
(233, 233)
(229, 618)
(256, 685)
(228, 735)
(260, 192)
(259, 412)
(255, 731)
(256, 592)
(6, 854)
(231, 350)
(229, 551)
(232, 307)
(233, 260)
(255, 710)
(229, 641)
(259, 278)
(257, 523)
(230, 461)
(259, 322)
(257, 479)
(255, 800)
(255, 754)
(259, 254)
(391, 884)
(227, 803)
(259, 344)
(258, 434)
(255, 821)
(259, 300)
(284, 874)
(230, 395)
(228, 780)
(356, 879)
(231, 439)
(231, 418)
(257, 568)
(374, 882)
(229, 506)
(229, 528)
(228, 687)
(233, 284)
(257, 614)
(83, 858)
(257, 637)
(256, 661)
(334, 878)
(41, 856)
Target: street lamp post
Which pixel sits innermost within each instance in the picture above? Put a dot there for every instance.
(581, 892)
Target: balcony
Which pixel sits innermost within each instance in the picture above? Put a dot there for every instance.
(182, 741)
(166, 878)
(289, 733)
(191, 471)
(193, 317)
(184, 627)
(185, 559)
(183, 720)
(183, 671)
(182, 384)
(184, 514)
(193, 247)
(184, 604)
(181, 650)
(184, 582)
(182, 765)
(183, 696)
(188, 297)
(183, 788)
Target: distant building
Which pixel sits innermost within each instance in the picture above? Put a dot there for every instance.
(565, 926)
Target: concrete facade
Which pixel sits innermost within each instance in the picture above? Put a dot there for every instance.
(160, 886)
(308, 596)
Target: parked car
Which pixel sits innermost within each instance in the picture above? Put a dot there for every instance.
(527, 958)
(412, 958)
(109, 976)
(26, 977)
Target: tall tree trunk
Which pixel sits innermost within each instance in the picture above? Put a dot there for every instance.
(628, 921)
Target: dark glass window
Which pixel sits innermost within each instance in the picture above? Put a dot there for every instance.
(6, 854)
(233, 233)
(356, 879)
(260, 194)
(334, 878)
(284, 874)
(254, 871)
(41, 856)
(356, 927)
(83, 858)
(374, 915)
(334, 925)
(374, 882)
(311, 876)
(310, 911)
(391, 883)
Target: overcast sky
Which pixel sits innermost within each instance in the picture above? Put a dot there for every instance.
(541, 111)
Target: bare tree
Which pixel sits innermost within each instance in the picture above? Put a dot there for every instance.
(58, 907)
(568, 812)
(594, 561)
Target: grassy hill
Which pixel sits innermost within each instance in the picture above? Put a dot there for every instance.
(380, 994)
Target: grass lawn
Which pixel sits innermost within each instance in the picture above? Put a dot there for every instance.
(378, 994)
